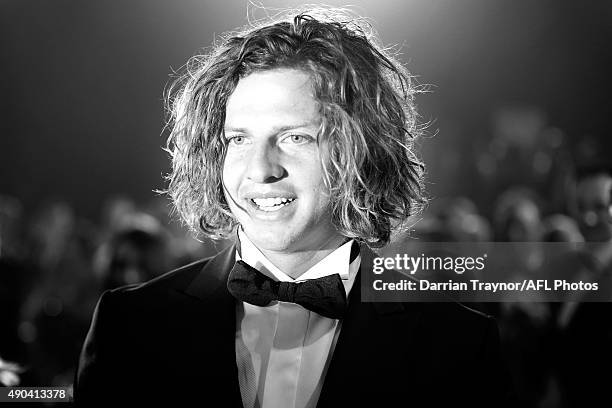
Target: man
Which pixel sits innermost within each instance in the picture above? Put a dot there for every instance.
(295, 137)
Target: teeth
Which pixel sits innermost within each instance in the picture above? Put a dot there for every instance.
(272, 203)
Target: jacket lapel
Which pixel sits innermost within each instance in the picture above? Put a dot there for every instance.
(373, 338)
(218, 316)
(210, 283)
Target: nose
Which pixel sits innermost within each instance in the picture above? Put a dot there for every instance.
(264, 165)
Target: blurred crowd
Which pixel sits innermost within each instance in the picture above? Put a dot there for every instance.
(53, 267)
(527, 183)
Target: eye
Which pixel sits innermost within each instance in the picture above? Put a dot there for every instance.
(297, 139)
(237, 140)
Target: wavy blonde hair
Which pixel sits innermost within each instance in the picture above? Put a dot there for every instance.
(369, 122)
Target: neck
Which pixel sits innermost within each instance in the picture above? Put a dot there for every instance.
(296, 263)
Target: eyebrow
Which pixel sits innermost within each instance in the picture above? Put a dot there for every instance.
(278, 129)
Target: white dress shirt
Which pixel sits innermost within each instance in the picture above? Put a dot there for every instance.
(283, 350)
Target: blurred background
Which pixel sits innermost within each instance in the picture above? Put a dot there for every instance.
(517, 149)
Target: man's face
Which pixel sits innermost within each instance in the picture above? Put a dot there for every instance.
(272, 173)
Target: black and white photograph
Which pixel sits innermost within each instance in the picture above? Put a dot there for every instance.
(284, 204)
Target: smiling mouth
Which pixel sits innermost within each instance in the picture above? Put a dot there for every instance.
(271, 204)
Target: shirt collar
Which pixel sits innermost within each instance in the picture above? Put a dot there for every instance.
(336, 262)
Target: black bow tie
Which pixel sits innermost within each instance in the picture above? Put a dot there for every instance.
(325, 296)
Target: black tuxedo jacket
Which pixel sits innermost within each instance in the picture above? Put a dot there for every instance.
(173, 339)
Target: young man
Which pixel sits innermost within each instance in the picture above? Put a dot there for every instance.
(296, 138)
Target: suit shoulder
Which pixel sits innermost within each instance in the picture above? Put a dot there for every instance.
(460, 313)
(464, 322)
(174, 279)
